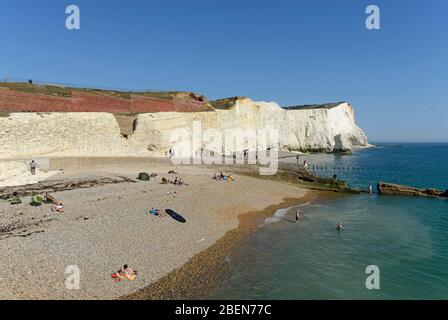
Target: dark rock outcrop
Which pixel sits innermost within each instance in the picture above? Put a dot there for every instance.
(396, 189)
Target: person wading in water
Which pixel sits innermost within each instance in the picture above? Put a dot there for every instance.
(297, 215)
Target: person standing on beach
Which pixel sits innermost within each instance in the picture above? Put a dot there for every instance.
(33, 167)
(305, 165)
(297, 215)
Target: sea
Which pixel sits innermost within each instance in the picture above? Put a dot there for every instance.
(391, 247)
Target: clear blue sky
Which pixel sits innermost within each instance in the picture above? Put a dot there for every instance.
(291, 52)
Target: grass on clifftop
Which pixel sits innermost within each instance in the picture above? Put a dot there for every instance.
(225, 103)
(315, 106)
(61, 91)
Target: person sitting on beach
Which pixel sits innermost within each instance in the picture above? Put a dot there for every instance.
(49, 198)
(175, 182)
(15, 199)
(339, 226)
(165, 181)
(153, 176)
(125, 273)
(215, 176)
(172, 172)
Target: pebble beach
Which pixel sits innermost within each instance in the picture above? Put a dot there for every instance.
(104, 227)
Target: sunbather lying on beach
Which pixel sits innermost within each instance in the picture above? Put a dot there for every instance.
(157, 212)
(153, 176)
(57, 207)
(125, 273)
(222, 177)
(179, 182)
(172, 172)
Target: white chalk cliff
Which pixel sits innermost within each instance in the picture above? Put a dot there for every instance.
(27, 135)
(321, 128)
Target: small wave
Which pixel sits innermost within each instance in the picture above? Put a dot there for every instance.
(279, 215)
(304, 204)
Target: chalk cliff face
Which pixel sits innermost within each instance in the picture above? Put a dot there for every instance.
(324, 129)
(26, 135)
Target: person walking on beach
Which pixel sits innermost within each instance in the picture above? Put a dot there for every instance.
(370, 189)
(33, 167)
(297, 215)
(305, 165)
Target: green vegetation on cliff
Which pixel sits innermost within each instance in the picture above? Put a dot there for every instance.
(62, 91)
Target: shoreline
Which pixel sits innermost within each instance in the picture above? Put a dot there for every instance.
(207, 269)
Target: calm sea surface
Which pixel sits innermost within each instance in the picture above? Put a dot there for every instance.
(406, 237)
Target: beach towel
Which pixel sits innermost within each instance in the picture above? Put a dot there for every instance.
(119, 276)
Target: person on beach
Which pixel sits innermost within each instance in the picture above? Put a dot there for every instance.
(33, 167)
(125, 273)
(15, 199)
(305, 165)
(49, 198)
(339, 227)
(370, 189)
(297, 215)
(57, 206)
(172, 154)
(157, 212)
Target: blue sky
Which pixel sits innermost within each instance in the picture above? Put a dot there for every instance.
(291, 52)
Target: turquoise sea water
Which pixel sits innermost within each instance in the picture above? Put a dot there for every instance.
(406, 237)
